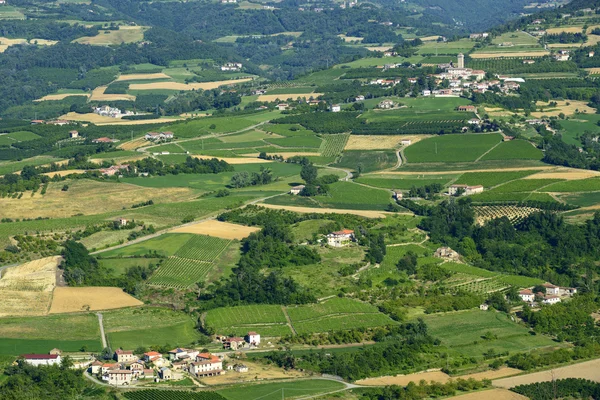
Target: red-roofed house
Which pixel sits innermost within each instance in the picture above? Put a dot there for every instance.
(206, 365)
(551, 289)
(42, 359)
(125, 356)
(119, 377)
(151, 356)
(103, 140)
(234, 343)
(526, 295)
(340, 238)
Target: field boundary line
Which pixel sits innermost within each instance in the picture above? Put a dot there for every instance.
(483, 155)
(289, 320)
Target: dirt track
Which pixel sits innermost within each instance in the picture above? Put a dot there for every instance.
(362, 213)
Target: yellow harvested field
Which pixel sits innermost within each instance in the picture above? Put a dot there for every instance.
(362, 213)
(102, 120)
(77, 299)
(65, 173)
(185, 86)
(132, 77)
(5, 43)
(283, 97)
(564, 45)
(87, 197)
(430, 38)
(498, 112)
(224, 230)
(593, 71)
(120, 159)
(27, 289)
(524, 54)
(403, 380)
(125, 34)
(99, 95)
(133, 144)
(566, 29)
(493, 394)
(585, 370)
(378, 142)
(435, 376)
(565, 173)
(562, 107)
(234, 160)
(61, 96)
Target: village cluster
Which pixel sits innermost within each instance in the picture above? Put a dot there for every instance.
(127, 368)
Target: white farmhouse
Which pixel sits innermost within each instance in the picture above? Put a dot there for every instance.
(42, 359)
(550, 299)
(253, 338)
(336, 108)
(526, 295)
(340, 238)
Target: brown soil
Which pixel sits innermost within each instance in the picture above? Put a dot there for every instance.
(76, 299)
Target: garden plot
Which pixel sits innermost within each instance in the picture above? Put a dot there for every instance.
(268, 320)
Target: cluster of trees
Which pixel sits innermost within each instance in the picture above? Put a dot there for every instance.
(541, 245)
(423, 390)
(82, 269)
(55, 382)
(271, 248)
(192, 165)
(401, 349)
(334, 337)
(244, 178)
(561, 388)
(427, 192)
(533, 360)
(566, 37)
(314, 185)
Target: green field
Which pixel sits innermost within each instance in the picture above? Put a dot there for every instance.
(451, 148)
(281, 390)
(459, 46)
(158, 394)
(515, 149)
(164, 245)
(120, 265)
(131, 328)
(489, 179)
(349, 195)
(270, 320)
(400, 183)
(516, 38)
(41, 334)
(369, 161)
(462, 332)
(582, 185)
(524, 185)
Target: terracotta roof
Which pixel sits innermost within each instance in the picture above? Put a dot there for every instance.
(549, 285)
(526, 291)
(120, 371)
(119, 351)
(40, 356)
(252, 333)
(342, 232)
(152, 353)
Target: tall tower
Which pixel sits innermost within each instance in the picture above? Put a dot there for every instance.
(461, 60)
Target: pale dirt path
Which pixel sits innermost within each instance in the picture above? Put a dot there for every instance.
(483, 155)
(361, 213)
(102, 334)
(288, 319)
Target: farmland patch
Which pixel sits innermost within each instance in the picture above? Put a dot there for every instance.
(77, 299)
(224, 230)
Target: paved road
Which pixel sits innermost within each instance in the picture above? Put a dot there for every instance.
(101, 323)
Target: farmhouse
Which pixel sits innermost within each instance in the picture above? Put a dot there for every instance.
(405, 142)
(340, 238)
(104, 140)
(386, 104)
(467, 108)
(182, 354)
(121, 222)
(165, 374)
(231, 66)
(124, 356)
(474, 121)
(562, 55)
(111, 171)
(234, 343)
(484, 307)
(42, 359)
(152, 356)
(466, 190)
(335, 108)
(73, 134)
(240, 368)
(282, 106)
(551, 299)
(206, 365)
(567, 291)
(152, 136)
(526, 295)
(396, 194)
(296, 189)
(119, 377)
(551, 289)
(447, 253)
(253, 338)
(95, 367)
(359, 98)
(478, 35)
(426, 92)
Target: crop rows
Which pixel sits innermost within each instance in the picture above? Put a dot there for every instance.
(334, 306)
(513, 213)
(202, 248)
(482, 286)
(342, 322)
(180, 273)
(155, 394)
(245, 315)
(333, 144)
